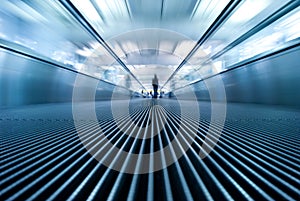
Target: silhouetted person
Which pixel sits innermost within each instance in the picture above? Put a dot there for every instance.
(128, 82)
(172, 87)
(155, 86)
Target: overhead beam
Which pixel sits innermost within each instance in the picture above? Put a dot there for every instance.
(161, 10)
(98, 11)
(128, 10)
(195, 9)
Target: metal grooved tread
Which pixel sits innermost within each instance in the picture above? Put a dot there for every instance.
(44, 158)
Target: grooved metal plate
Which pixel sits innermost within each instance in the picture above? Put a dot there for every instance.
(43, 156)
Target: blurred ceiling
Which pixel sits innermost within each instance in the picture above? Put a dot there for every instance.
(180, 41)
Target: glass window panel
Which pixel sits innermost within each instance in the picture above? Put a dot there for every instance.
(43, 28)
(241, 21)
(278, 33)
(248, 15)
